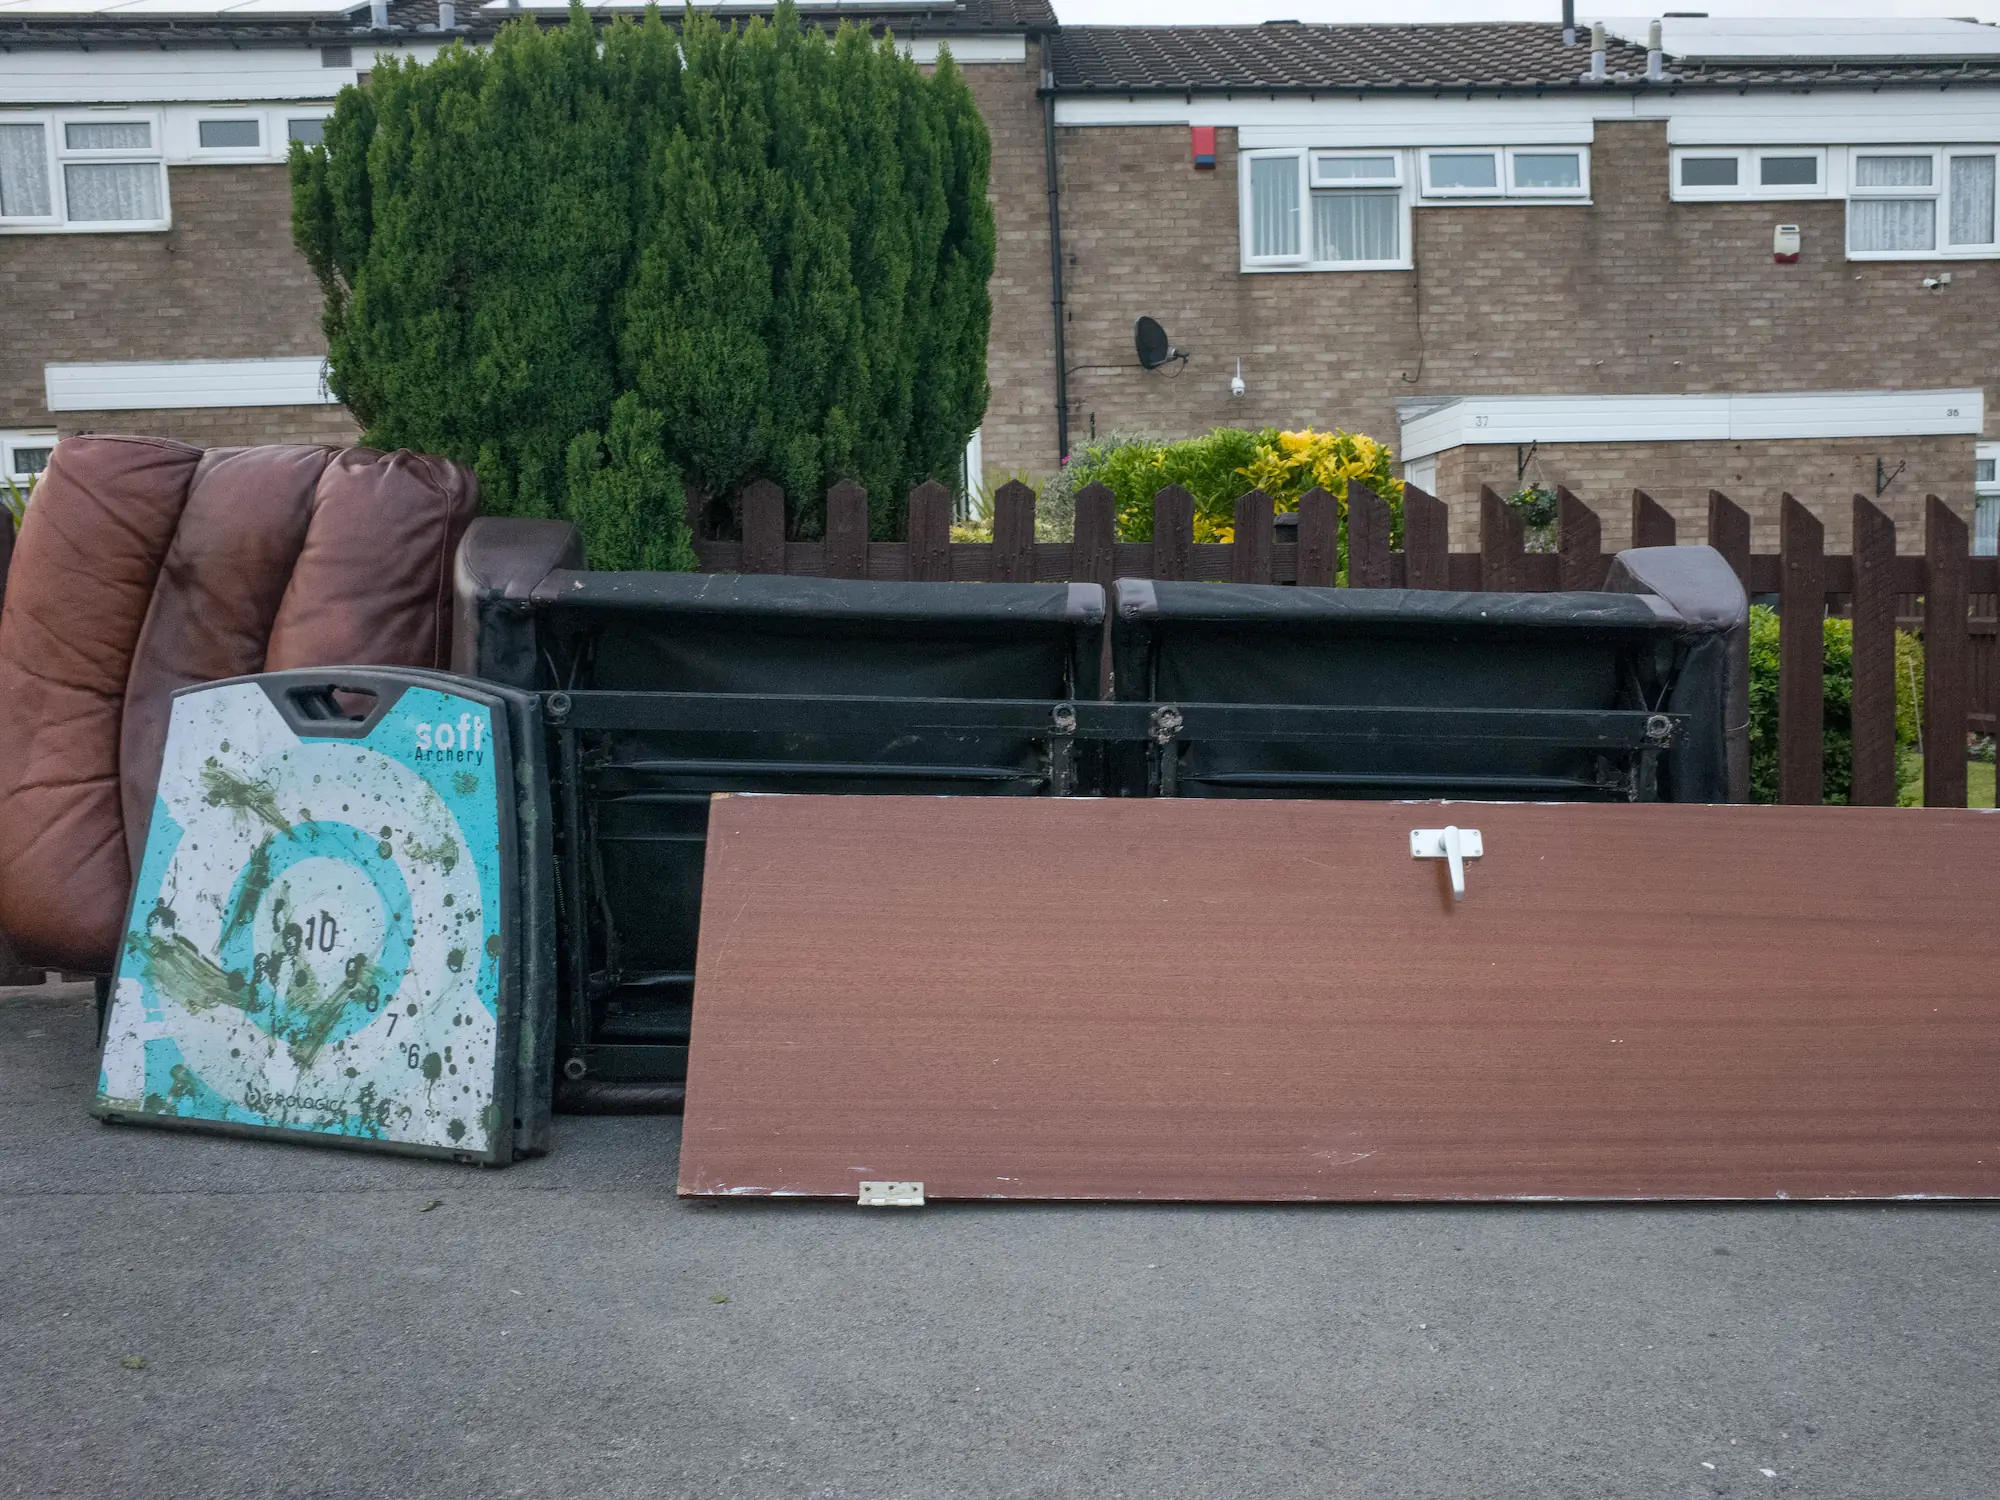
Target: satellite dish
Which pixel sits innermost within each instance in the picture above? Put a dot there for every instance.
(1154, 347)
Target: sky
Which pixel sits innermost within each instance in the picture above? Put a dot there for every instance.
(1245, 12)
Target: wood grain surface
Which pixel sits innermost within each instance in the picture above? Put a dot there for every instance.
(1271, 1000)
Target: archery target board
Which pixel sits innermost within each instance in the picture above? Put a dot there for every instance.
(315, 946)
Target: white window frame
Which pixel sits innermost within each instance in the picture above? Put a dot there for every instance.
(1938, 192)
(1398, 183)
(1784, 192)
(197, 152)
(9, 441)
(1505, 190)
(1560, 194)
(1986, 503)
(1749, 186)
(1499, 173)
(288, 117)
(54, 141)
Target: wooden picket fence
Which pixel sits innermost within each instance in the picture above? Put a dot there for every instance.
(1932, 593)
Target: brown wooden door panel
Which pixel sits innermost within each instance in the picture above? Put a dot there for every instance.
(1267, 1000)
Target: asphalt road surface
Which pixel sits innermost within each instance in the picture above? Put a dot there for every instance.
(183, 1316)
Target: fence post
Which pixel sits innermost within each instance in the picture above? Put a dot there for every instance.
(1013, 533)
(1729, 534)
(930, 532)
(1500, 543)
(1651, 525)
(1368, 523)
(1173, 533)
(1094, 558)
(1801, 655)
(1946, 548)
(1319, 539)
(6, 557)
(763, 528)
(1250, 558)
(847, 531)
(1426, 540)
(1579, 543)
(1872, 704)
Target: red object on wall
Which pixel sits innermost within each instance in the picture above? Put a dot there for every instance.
(1204, 144)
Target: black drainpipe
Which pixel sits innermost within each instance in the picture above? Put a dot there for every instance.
(1048, 92)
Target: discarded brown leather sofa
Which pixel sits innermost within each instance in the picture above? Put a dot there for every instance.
(145, 566)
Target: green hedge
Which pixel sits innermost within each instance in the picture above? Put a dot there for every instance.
(598, 264)
(1839, 695)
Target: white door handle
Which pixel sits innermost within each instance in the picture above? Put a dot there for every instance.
(1454, 845)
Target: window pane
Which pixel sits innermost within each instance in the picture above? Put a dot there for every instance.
(30, 461)
(1892, 171)
(307, 132)
(1355, 226)
(108, 192)
(1356, 168)
(1972, 200)
(1465, 170)
(1537, 169)
(1788, 171)
(1892, 224)
(237, 134)
(1982, 470)
(108, 135)
(24, 172)
(1708, 171)
(1986, 528)
(1274, 205)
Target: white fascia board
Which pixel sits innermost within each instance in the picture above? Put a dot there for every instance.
(1809, 117)
(156, 385)
(1137, 109)
(1477, 421)
(1827, 117)
(199, 75)
(1857, 414)
(968, 50)
(1348, 120)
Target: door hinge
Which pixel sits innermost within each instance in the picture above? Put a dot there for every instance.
(892, 1195)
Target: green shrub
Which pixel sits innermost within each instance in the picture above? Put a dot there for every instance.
(1217, 469)
(775, 244)
(1839, 693)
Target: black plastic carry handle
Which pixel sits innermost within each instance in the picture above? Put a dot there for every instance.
(333, 702)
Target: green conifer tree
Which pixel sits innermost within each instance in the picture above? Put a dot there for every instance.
(776, 245)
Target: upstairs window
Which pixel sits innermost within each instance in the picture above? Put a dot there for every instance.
(1507, 172)
(241, 133)
(1750, 172)
(92, 172)
(1324, 210)
(1919, 203)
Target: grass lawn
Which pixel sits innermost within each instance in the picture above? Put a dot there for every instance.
(1978, 784)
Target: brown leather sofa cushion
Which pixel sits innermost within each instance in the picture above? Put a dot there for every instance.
(145, 567)
(225, 575)
(373, 586)
(78, 592)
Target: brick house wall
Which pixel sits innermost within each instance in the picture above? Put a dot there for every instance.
(1825, 474)
(1630, 294)
(224, 283)
(1020, 427)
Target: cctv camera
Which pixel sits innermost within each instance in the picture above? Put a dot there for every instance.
(1236, 385)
